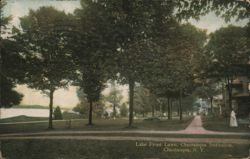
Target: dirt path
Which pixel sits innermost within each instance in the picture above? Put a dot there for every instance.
(195, 127)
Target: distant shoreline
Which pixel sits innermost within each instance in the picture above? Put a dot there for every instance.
(29, 107)
(35, 107)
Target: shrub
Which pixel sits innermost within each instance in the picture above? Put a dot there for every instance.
(58, 113)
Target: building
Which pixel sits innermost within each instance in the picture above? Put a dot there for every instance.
(241, 90)
(241, 96)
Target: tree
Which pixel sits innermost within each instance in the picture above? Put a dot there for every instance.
(173, 74)
(92, 51)
(145, 101)
(114, 97)
(132, 22)
(11, 65)
(58, 113)
(83, 107)
(226, 48)
(48, 62)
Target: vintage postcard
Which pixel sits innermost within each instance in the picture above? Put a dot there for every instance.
(125, 79)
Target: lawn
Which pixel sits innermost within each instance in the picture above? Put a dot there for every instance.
(22, 118)
(93, 149)
(30, 107)
(222, 124)
(100, 124)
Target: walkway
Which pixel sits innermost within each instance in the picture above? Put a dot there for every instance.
(195, 127)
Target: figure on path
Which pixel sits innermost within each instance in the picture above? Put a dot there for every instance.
(233, 120)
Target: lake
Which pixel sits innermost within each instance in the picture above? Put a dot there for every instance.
(12, 112)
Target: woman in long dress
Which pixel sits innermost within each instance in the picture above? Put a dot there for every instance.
(233, 121)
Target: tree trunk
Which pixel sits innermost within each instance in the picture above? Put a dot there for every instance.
(90, 112)
(169, 109)
(180, 105)
(229, 88)
(114, 111)
(211, 104)
(153, 111)
(131, 101)
(51, 96)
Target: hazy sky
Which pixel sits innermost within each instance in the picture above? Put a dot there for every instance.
(68, 98)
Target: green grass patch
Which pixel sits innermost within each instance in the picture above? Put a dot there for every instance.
(100, 124)
(30, 107)
(22, 118)
(93, 149)
(222, 124)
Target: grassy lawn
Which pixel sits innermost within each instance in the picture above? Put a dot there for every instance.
(30, 107)
(101, 124)
(22, 118)
(221, 124)
(88, 149)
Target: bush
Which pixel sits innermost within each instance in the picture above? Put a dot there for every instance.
(58, 113)
(83, 109)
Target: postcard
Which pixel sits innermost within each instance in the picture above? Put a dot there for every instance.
(124, 79)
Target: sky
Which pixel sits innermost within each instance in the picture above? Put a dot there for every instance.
(67, 97)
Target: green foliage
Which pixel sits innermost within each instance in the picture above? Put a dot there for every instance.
(83, 109)
(124, 110)
(58, 113)
(11, 65)
(9, 96)
(175, 68)
(227, 9)
(207, 90)
(114, 97)
(48, 64)
(144, 100)
(228, 46)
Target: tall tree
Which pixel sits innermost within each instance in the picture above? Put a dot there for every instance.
(10, 64)
(48, 63)
(92, 50)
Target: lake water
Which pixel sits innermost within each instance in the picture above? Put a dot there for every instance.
(12, 112)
